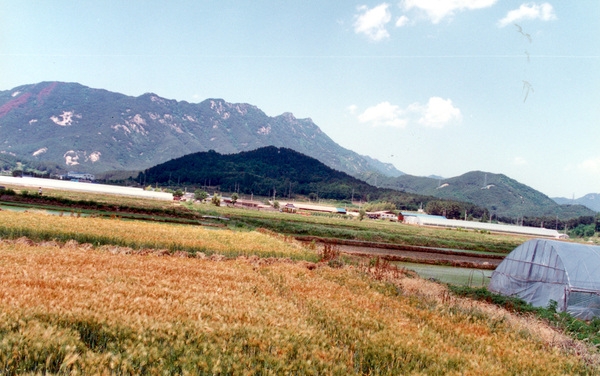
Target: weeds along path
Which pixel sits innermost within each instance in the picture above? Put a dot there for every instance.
(74, 308)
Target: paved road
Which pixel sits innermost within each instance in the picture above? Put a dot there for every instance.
(83, 187)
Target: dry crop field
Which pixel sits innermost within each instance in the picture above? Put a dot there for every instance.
(146, 235)
(68, 307)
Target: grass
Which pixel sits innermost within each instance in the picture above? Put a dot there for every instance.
(588, 331)
(85, 311)
(451, 275)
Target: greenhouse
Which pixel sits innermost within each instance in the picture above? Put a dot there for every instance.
(541, 271)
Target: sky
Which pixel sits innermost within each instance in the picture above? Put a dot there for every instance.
(435, 87)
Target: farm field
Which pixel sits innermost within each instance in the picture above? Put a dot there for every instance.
(74, 308)
(143, 236)
(107, 295)
(448, 274)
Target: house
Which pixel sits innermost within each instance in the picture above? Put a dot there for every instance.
(289, 208)
(384, 214)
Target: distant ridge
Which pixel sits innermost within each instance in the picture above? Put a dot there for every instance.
(501, 195)
(591, 201)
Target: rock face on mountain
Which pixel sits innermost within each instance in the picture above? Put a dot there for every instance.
(93, 130)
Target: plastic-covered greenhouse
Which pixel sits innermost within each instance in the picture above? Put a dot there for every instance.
(539, 271)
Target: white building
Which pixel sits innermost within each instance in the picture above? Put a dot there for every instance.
(438, 221)
(72, 175)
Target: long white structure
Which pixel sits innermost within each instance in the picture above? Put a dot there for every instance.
(438, 221)
(83, 187)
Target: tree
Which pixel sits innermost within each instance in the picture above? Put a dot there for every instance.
(200, 195)
(216, 200)
(361, 214)
(178, 193)
(234, 198)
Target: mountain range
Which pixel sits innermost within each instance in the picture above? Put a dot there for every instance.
(501, 195)
(591, 200)
(71, 127)
(285, 173)
(95, 130)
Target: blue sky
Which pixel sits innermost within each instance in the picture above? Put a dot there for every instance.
(436, 87)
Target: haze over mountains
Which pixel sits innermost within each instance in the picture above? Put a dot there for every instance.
(92, 130)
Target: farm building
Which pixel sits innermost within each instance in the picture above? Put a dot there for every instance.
(540, 271)
(289, 208)
(440, 221)
(385, 214)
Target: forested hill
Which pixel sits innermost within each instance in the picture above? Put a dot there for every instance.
(501, 195)
(271, 170)
(260, 171)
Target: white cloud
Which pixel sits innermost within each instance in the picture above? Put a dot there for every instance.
(519, 161)
(529, 11)
(590, 166)
(352, 109)
(437, 113)
(384, 114)
(402, 21)
(371, 22)
(437, 10)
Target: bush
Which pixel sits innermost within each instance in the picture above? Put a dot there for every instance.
(7, 192)
(200, 195)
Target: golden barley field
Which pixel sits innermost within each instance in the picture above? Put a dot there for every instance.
(70, 308)
(147, 235)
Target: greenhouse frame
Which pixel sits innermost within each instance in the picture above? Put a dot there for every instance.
(540, 271)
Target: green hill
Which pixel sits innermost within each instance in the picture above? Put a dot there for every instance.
(264, 171)
(501, 195)
(282, 172)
